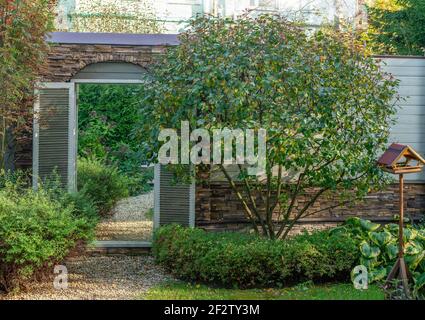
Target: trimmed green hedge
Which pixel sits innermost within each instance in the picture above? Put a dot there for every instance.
(242, 260)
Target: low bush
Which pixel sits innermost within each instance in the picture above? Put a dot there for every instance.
(37, 230)
(242, 260)
(102, 183)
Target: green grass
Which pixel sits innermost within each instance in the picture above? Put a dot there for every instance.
(184, 291)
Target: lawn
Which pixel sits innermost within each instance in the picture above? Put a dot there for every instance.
(186, 291)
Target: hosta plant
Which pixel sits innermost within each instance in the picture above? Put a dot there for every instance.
(378, 245)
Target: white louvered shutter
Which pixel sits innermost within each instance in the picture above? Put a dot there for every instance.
(174, 203)
(54, 145)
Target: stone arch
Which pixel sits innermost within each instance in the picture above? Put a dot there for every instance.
(111, 70)
(103, 59)
(66, 60)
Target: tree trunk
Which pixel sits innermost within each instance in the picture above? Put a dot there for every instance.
(10, 150)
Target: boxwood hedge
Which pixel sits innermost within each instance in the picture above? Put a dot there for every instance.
(243, 260)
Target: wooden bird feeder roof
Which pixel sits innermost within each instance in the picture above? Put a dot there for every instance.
(398, 157)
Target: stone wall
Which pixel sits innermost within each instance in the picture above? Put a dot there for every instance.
(66, 60)
(217, 207)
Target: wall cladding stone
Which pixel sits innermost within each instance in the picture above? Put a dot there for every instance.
(217, 207)
(66, 60)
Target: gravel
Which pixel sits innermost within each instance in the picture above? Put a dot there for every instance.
(128, 220)
(111, 277)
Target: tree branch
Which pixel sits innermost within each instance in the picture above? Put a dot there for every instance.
(247, 210)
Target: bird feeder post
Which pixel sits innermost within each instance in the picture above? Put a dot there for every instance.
(392, 161)
(401, 221)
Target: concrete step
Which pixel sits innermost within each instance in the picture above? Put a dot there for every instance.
(119, 247)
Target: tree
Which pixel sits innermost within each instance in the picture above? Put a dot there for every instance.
(23, 26)
(396, 27)
(326, 105)
(110, 16)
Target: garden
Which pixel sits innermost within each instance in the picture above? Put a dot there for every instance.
(327, 108)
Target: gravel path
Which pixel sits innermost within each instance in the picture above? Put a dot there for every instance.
(128, 220)
(112, 277)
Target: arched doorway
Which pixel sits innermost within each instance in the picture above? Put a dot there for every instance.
(56, 143)
(55, 125)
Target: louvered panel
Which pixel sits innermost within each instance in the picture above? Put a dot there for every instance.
(53, 133)
(174, 203)
(54, 147)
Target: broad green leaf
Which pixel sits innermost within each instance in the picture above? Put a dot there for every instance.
(409, 234)
(370, 264)
(419, 283)
(391, 250)
(368, 225)
(380, 238)
(353, 222)
(392, 228)
(369, 251)
(414, 260)
(413, 247)
(421, 235)
(377, 274)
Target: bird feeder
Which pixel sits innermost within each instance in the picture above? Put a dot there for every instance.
(400, 159)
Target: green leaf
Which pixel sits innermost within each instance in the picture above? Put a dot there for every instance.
(414, 260)
(421, 235)
(409, 234)
(369, 251)
(377, 274)
(392, 228)
(370, 264)
(391, 250)
(368, 225)
(380, 238)
(413, 247)
(419, 283)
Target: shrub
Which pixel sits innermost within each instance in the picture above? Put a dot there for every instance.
(242, 260)
(83, 206)
(36, 231)
(102, 183)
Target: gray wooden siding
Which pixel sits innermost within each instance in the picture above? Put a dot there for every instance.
(410, 126)
(111, 70)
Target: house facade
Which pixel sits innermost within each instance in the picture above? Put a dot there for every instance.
(174, 14)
